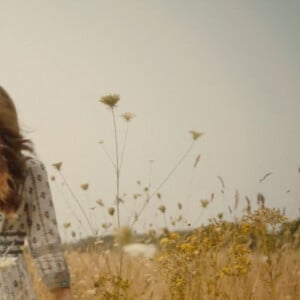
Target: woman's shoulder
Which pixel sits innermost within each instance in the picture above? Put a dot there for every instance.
(34, 164)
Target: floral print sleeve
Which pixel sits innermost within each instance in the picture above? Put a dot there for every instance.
(43, 236)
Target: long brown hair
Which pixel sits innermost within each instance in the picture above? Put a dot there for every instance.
(12, 158)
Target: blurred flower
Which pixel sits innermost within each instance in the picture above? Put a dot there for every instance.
(84, 186)
(128, 116)
(196, 134)
(52, 178)
(179, 218)
(67, 225)
(179, 205)
(101, 142)
(123, 236)
(158, 195)
(57, 165)
(204, 203)
(162, 208)
(73, 233)
(119, 200)
(111, 211)
(136, 196)
(105, 225)
(110, 100)
(100, 202)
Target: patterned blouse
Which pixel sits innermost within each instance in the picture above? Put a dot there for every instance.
(35, 221)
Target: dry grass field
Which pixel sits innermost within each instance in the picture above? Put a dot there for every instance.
(244, 260)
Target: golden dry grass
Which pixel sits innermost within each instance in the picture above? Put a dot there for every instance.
(146, 281)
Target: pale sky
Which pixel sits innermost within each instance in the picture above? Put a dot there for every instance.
(230, 69)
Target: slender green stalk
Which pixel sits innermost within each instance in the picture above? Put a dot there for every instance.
(117, 169)
(124, 145)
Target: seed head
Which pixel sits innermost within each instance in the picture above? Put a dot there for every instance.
(84, 186)
(196, 134)
(204, 202)
(67, 225)
(57, 165)
(100, 202)
(111, 211)
(220, 215)
(128, 116)
(110, 100)
(105, 225)
(162, 208)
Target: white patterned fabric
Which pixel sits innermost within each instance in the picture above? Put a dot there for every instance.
(35, 221)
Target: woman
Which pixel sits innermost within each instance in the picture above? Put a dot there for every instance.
(26, 211)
